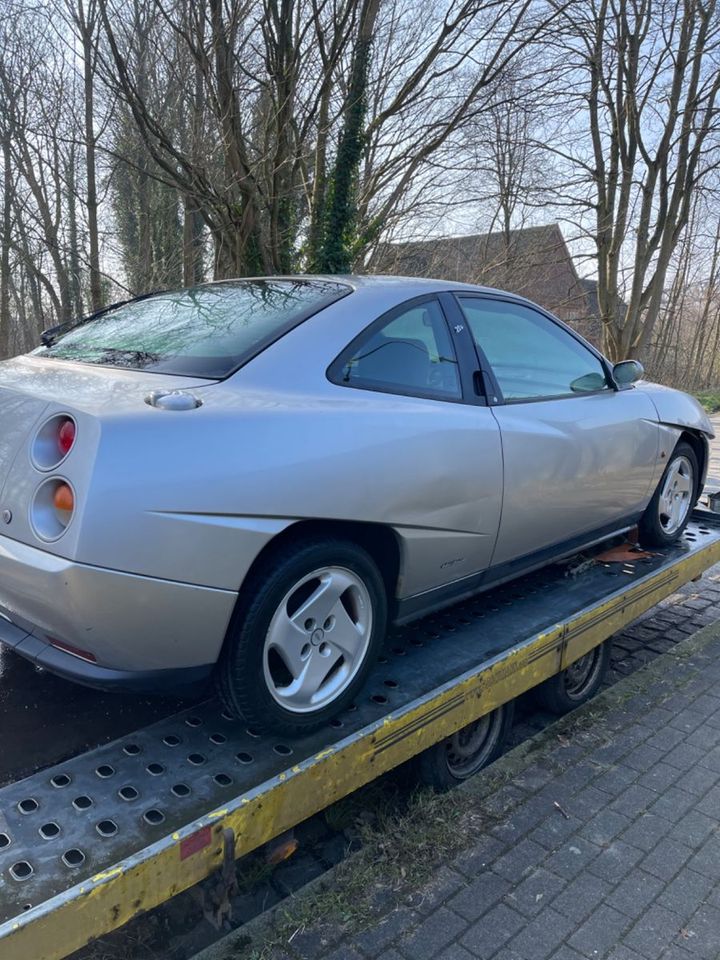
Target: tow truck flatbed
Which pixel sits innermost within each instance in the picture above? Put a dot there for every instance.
(91, 842)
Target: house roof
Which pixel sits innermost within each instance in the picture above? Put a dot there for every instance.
(533, 262)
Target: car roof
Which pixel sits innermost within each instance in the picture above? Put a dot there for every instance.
(370, 284)
(428, 284)
(377, 281)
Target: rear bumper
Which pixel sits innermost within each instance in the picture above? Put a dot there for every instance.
(144, 633)
(180, 681)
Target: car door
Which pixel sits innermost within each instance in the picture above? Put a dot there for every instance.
(579, 454)
(427, 458)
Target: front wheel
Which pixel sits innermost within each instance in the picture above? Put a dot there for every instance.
(668, 512)
(304, 637)
(465, 753)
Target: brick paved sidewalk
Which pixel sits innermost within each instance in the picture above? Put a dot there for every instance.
(598, 839)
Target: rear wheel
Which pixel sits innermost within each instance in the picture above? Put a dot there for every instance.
(466, 752)
(302, 642)
(577, 684)
(668, 512)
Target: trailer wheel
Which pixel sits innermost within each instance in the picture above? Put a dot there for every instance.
(466, 752)
(577, 684)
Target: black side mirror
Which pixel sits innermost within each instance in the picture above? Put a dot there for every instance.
(627, 372)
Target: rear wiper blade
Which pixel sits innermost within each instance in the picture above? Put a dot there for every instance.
(49, 336)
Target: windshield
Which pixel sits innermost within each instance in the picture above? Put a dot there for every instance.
(205, 331)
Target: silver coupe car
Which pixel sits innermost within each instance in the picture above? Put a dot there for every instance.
(247, 480)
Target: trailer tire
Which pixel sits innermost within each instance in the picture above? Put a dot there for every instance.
(457, 758)
(577, 684)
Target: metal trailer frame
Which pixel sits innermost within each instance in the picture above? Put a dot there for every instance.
(91, 843)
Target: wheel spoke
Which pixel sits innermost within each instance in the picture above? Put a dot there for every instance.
(346, 635)
(288, 641)
(323, 600)
(682, 484)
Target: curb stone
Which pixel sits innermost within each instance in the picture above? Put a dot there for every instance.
(251, 940)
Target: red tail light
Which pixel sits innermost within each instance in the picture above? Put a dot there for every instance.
(66, 436)
(53, 441)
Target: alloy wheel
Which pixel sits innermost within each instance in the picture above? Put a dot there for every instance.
(676, 495)
(317, 639)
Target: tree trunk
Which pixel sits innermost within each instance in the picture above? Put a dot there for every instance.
(73, 255)
(192, 243)
(87, 28)
(5, 321)
(316, 232)
(337, 251)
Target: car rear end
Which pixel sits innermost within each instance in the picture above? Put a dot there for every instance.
(121, 551)
(98, 623)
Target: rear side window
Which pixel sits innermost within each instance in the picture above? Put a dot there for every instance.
(205, 331)
(411, 353)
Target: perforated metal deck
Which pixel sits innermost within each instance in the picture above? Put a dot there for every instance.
(125, 826)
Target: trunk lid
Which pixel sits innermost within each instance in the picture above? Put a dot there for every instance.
(93, 389)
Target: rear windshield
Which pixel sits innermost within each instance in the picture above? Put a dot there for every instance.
(205, 331)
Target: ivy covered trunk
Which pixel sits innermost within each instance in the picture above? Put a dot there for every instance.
(337, 249)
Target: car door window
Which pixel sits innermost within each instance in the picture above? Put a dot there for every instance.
(412, 353)
(532, 357)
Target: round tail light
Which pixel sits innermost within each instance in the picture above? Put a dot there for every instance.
(52, 508)
(53, 442)
(66, 436)
(64, 501)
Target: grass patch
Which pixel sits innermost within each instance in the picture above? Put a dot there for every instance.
(399, 853)
(710, 400)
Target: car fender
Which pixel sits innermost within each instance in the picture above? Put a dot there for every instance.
(678, 410)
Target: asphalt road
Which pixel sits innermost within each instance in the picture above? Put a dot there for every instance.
(44, 720)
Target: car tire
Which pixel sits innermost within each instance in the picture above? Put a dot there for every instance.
(660, 526)
(577, 684)
(305, 634)
(457, 758)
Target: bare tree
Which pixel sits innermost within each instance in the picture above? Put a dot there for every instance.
(640, 114)
(272, 106)
(684, 348)
(84, 19)
(36, 101)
